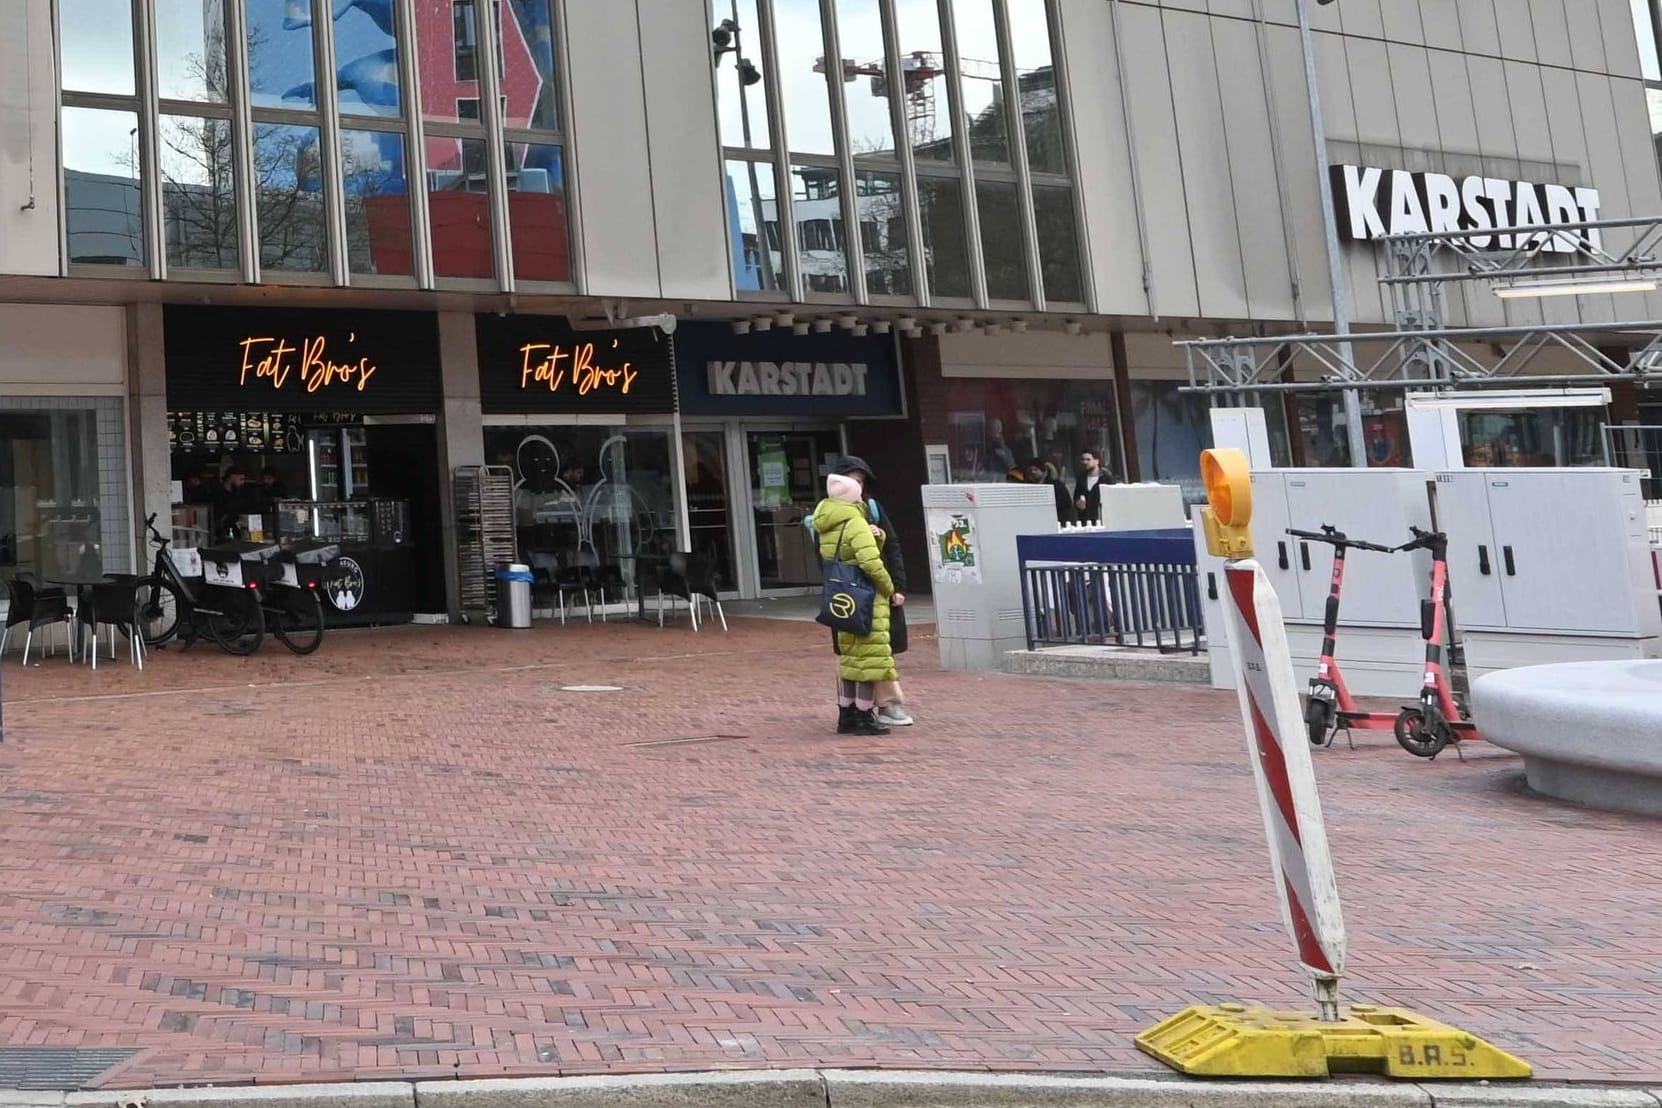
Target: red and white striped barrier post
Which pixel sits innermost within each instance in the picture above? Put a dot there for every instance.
(1276, 742)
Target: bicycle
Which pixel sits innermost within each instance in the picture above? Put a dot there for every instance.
(293, 610)
(170, 606)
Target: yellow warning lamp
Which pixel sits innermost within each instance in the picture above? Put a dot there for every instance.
(1228, 478)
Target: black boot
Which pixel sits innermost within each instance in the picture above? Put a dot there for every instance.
(867, 723)
(846, 719)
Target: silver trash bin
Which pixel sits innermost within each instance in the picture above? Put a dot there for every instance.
(513, 597)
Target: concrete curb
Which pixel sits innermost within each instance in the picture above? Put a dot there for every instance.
(856, 1089)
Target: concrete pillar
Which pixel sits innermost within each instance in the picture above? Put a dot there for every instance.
(147, 428)
(461, 431)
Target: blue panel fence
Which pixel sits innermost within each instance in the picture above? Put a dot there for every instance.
(1098, 588)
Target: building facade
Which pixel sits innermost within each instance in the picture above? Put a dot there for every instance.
(959, 230)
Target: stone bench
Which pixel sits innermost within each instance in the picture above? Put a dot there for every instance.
(1589, 732)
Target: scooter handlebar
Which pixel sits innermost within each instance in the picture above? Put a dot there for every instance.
(1334, 537)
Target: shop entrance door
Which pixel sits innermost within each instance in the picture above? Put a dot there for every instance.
(786, 473)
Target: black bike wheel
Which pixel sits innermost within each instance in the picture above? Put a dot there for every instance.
(299, 620)
(1417, 736)
(1318, 717)
(161, 607)
(236, 621)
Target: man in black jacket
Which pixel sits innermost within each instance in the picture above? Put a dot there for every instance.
(1040, 474)
(1087, 491)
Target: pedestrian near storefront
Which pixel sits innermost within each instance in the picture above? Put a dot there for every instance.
(1087, 490)
(842, 522)
(1040, 473)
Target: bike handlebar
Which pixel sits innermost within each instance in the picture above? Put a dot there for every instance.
(1334, 537)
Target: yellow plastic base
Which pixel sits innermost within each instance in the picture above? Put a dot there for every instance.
(1233, 1040)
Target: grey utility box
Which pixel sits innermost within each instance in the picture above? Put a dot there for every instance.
(972, 533)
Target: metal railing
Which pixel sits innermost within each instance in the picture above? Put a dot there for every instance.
(1138, 589)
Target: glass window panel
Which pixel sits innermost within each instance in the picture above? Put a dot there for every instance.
(1645, 27)
(537, 212)
(1172, 429)
(995, 425)
(459, 208)
(101, 187)
(448, 48)
(865, 79)
(1653, 101)
(753, 215)
(941, 208)
(199, 197)
(1001, 240)
(190, 50)
(923, 71)
(97, 46)
(377, 203)
(288, 198)
(1041, 109)
(804, 87)
(739, 91)
(822, 250)
(1053, 215)
(985, 118)
(280, 70)
(63, 508)
(366, 57)
(528, 75)
(888, 255)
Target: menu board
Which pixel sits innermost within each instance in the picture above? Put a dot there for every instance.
(243, 432)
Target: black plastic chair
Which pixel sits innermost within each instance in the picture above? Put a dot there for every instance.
(689, 577)
(115, 605)
(37, 608)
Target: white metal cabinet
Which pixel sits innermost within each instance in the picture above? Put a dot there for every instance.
(1270, 540)
(1557, 551)
(1377, 505)
(1463, 515)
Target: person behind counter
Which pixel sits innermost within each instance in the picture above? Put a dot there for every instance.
(234, 500)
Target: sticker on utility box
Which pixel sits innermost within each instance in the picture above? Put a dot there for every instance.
(953, 554)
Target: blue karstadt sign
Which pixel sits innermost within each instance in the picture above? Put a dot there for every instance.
(777, 373)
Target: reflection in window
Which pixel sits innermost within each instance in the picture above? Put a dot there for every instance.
(941, 208)
(97, 46)
(739, 91)
(101, 187)
(1321, 419)
(537, 213)
(997, 425)
(983, 81)
(822, 252)
(587, 501)
(366, 57)
(377, 203)
(62, 513)
(288, 198)
(1001, 240)
(1529, 437)
(528, 77)
(923, 70)
(1173, 427)
(753, 215)
(1644, 25)
(1041, 109)
(1053, 215)
(190, 50)
(199, 199)
(280, 69)
(459, 208)
(804, 88)
(888, 255)
(865, 79)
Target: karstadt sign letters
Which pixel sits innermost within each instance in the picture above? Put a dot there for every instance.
(787, 378)
(1373, 203)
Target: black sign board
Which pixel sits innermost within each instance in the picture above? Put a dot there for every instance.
(541, 365)
(302, 360)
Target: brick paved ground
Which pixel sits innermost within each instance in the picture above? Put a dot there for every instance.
(415, 854)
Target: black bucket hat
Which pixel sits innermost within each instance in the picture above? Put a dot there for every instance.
(853, 464)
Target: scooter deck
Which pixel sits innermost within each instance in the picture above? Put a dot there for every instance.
(1365, 721)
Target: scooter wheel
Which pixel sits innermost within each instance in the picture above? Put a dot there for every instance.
(1416, 737)
(1318, 717)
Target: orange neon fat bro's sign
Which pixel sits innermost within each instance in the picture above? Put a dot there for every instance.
(311, 362)
(554, 367)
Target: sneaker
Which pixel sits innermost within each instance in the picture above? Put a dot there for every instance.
(867, 723)
(895, 716)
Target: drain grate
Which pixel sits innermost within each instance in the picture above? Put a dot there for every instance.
(31, 1067)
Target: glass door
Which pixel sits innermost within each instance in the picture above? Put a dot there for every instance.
(787, 478)
(709, 524)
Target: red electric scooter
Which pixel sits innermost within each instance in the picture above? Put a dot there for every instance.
(1329, 707)
(1441, 717)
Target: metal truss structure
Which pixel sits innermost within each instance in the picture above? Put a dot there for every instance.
(1422, 352)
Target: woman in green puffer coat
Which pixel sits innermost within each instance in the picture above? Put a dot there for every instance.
(845, 535)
